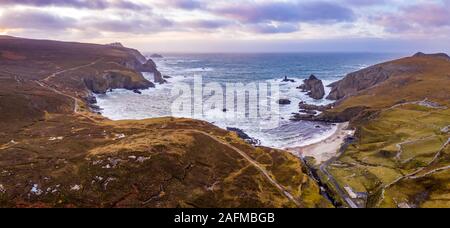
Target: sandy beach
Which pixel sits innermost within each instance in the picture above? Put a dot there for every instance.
(325, 149)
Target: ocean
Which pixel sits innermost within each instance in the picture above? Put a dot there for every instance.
(244, 68)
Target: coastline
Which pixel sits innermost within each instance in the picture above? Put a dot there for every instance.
(326, 148)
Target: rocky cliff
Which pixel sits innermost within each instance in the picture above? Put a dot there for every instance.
(115, 80)
(372, 76)
(150, 66)
(56, 152)
(400, 156)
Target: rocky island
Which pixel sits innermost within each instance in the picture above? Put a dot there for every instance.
(314, 87)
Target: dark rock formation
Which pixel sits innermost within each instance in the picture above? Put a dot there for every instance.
(286, 79)
(310, 112)
(158, 78)
(333, 117)
(137, 91)
(150, 66)
(314, 87)
(284, 101)
(303, 105)
(115, 80)
(299, 117)
(244, 136)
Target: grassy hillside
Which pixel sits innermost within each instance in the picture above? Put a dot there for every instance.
(401, 156)
(54, 152)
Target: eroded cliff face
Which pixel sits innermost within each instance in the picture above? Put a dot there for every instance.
(401, 153)
(367, 78)
(150, 67)
(115, 80)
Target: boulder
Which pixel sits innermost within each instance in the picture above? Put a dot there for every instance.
(314, 87)
(284, 101)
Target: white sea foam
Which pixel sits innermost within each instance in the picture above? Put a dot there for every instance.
(156, 102)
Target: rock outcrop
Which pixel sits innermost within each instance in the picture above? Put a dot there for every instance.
(115, 80)
(241, 134)
(284, 101)
(314, 87)
(309, 107)
(150, 67)
(286, 79)
(374, 75)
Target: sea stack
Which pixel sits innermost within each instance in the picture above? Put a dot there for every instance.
(314, 87)
(150, 66)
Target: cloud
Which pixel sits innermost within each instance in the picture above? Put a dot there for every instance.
(311, 12)
(149, 25)
(365, 2)
(186, 4)
(274, 28)
(81, 4)
(35, 20)
(418, 18)
(207, 24)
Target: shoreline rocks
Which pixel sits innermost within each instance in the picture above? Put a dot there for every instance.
(314, 87)
(150, 67)
(115, 80)
(286, 79)
(284, 102)
(241, 134)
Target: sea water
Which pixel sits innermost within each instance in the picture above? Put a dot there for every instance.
(244, 68)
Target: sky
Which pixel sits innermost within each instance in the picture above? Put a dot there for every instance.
(405, 26)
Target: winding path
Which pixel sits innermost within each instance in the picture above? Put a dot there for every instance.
(257, 166)
(71, 69)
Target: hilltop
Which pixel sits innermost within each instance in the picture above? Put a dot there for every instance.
(56, 151)
(401, 155)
